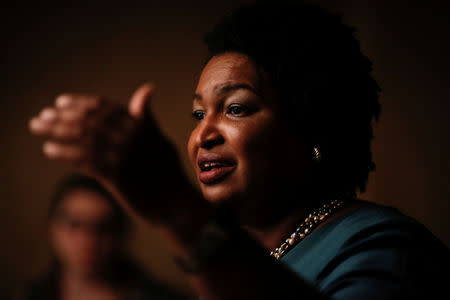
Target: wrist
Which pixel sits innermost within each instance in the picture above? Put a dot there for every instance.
(184, 225)
(211, 241)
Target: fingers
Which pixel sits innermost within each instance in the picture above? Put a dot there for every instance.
(65, 152)
(83, 102)
(57, 125)
(58, 131)
(63, 125)
(88, 132)
(139, 100)
(48, 114)
(64, 120)
(40, 125)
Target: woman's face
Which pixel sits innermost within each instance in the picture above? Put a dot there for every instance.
(81, 233)
(241, 146)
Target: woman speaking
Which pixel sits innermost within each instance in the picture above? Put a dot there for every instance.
(284, 106)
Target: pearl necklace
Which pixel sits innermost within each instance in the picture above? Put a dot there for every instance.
(307, 226)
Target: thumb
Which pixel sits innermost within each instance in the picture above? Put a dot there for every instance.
(138, 102)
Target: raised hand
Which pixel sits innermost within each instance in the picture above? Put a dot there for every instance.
(122, 148)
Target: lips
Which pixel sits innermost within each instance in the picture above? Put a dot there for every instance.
(214, 168)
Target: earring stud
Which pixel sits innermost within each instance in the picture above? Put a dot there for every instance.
(317, 155)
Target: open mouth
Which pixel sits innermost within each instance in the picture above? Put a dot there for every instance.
(208, 166)
(213, 170)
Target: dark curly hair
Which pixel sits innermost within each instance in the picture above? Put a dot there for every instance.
(323, 80)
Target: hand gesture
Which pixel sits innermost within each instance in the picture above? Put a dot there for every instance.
(123, 148)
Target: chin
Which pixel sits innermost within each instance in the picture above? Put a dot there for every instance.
(220, 193)
(216, 194)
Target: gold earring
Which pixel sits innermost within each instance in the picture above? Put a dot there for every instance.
(317, 155)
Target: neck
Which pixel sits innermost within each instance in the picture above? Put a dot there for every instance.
(76, 285)
(271, 226)
(271, 236)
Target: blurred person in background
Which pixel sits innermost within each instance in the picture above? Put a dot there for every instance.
(284, 107)
(88, 232)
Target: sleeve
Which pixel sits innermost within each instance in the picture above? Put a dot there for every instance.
(387, 261)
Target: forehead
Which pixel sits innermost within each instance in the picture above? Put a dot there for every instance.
(86, 204)
(225, 69)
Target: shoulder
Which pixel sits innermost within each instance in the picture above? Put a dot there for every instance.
(373, 221)
(379, 232)
(373, 249)
(370, 226)
(380, 226)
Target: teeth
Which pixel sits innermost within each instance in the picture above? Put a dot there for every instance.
(212, 164)
(209, 165)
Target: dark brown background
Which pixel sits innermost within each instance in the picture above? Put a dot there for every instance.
(111, 49)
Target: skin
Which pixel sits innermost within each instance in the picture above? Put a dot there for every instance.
(83, 245)
(78, 241)
(239, 117)
(270, 164)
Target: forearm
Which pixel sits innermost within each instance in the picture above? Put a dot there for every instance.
(241, 269)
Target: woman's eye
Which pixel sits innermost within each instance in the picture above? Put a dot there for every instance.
(237, 110)
(198, 115)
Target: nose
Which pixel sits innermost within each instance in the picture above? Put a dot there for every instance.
(208, 135)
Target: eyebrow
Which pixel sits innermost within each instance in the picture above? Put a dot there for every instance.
(229, 87)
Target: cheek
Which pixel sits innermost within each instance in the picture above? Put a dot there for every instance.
(254, 141)
(63, 242)
(191, 147)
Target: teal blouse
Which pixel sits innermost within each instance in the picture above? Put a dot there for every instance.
(374, 252)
